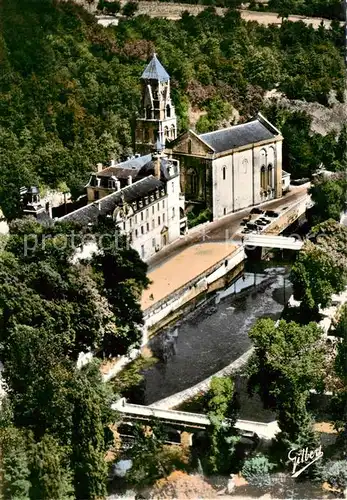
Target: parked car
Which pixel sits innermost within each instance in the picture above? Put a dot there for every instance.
(256, 210)
(260, 223)
(251, 225)
(271, 213)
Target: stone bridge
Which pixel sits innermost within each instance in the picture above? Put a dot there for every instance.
(188, 423)
(269, 241)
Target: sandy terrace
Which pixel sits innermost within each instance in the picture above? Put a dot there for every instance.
(184, 267)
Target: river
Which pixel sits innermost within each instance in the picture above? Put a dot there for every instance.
(216, 333)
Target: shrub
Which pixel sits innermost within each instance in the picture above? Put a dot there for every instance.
(256, 470)
(335, 474)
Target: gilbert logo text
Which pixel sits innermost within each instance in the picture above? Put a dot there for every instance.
(304, 457)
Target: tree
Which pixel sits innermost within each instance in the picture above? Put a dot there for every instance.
(49, 475)
(222, 436)
(287, 363)
(256, 470)
(329, 197)
(339, 401)
(14, 468)
(320, 269)
(130, 9)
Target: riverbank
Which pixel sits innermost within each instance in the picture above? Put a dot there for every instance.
(213, 336)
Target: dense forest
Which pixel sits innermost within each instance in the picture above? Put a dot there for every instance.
(70, 88)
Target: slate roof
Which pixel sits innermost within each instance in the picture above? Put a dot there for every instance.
(126, 168)
(149, 169)
(155, 71)
(237, 136)
(90, 213)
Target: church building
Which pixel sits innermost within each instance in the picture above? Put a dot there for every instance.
(225, 170)
(233, 168)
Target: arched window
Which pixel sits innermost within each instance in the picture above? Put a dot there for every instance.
(166, 132)
(269, 175)
(189, 146)
(168, 111)
(172, 132)
(224, 173)
(262, 177)
(192, 181)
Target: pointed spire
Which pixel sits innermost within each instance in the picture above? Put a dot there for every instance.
(155, 71)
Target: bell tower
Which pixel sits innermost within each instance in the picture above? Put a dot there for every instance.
(157, 121)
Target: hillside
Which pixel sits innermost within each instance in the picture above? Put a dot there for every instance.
(70, 88)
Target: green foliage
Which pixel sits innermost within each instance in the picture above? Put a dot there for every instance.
(130, 8)
(151, 459)
(256, 470)
(320, 269)
(67, 95)
(110, 7)
(329, 196)
(51, 309)
(194, 219)
(222, 436)
(335, 474)
(49, 477)
(331, 9)
(287, 363)
(14, 468)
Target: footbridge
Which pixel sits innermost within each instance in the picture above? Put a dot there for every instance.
(270, 241)
(186, 420)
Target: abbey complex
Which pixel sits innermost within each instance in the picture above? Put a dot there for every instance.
(147, 195)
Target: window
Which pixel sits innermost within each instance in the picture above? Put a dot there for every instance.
(224, 173)
(159, 220)
(163, 203)
(269, 175)
(173, 212)
(153, 224)
(111, 184)
(153, 209)
(135, 219)
(142, 251)
(141, 215)
(163, 218)
(147, 226)
(173, 186)
(262, 177)
(136, 233)
(123, 226)
(147, 213)
(224, 211)
(189, 146)
(153, 242)
(244, 166)
(166, 132)
(158, 206)
(148, 113)
(172, 131)
(142, 230)
(168, 111)
(130, 222)
(96, 195)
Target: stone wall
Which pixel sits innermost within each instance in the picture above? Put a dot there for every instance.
(180, 397)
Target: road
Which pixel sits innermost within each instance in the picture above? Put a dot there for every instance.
(222, 229)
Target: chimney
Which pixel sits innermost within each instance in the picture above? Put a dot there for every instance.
(99, 167)
(156, 160)
(113, 163)
(117, 185)
(130, 180)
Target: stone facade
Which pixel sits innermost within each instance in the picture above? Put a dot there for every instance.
(231, 169)
(157, 121)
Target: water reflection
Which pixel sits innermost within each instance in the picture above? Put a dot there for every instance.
(215, 334)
